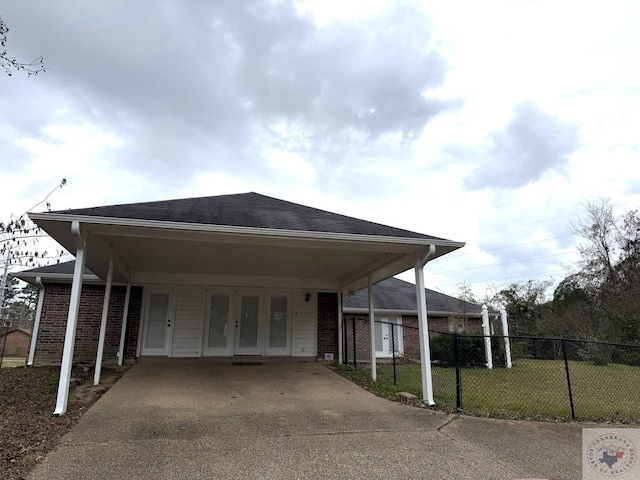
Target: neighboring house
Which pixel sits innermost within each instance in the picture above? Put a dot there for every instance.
(225, 276)
(395, 304)
(14, 343)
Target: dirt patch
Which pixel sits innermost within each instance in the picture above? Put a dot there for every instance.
(28, 430)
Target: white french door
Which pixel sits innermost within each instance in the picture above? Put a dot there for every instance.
(388, 336)
(219, 323)
(248, 324)
(278, 328)
(158, 323)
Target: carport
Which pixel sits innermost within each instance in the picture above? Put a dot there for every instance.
(260, 247)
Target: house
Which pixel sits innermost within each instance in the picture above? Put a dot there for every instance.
(396, 319)
(14, 342)
(225, 276)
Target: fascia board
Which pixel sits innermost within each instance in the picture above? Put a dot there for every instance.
(245, 231)
(57, 278)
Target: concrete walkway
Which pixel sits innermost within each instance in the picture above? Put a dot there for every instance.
(203, 419)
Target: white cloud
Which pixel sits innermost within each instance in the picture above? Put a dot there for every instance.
(390, 113)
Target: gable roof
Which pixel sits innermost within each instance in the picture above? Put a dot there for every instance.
(59, 272)
(245, 210)
(397, 295)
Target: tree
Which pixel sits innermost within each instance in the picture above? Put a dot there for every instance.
(20, 304)
(9, 64)
(597, 252)
(600, 300)
(525, 303)
(20, 246)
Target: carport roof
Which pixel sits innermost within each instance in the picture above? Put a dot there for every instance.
(240, 236)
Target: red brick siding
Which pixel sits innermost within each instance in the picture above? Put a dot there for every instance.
(328, 324)
(53, 321)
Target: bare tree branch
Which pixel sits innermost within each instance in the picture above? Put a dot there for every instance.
(11, 64)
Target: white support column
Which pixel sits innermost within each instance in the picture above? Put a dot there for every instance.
(103, 324)
(505, 332)
(123, 329)
(423, 332)
(487, 337)
(72, 320)
(340, 340)
(36, 323)
(372, 330)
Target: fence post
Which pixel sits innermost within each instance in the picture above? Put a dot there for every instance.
(487, 337)
(355, 352)
(393, 354)
(456, 349)
(566, 368)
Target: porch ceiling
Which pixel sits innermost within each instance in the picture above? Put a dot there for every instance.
(143, 248)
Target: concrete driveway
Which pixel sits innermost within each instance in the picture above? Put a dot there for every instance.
(199, 419)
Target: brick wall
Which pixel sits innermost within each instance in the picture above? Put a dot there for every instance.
(328, 324)
(53, 321)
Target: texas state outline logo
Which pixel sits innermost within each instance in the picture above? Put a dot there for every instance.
(609, 453)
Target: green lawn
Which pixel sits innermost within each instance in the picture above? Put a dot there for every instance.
(531, 389)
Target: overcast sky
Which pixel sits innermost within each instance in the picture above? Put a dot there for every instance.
(483, 122)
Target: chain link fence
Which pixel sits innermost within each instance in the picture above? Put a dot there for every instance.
(530, 377)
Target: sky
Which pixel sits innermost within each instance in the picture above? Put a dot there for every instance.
(489, 123)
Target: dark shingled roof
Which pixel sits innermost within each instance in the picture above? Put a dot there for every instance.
(396, 294)
(64, 268)
(246, 210)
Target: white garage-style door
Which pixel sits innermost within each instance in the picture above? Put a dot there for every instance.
(195, 322)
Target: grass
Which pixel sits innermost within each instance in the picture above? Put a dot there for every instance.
(534, 389)
(11, 362)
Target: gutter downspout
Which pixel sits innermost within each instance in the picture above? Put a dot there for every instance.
(72, 320)
(36, 323)
(423, 328)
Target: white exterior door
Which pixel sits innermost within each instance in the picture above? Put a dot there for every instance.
(219, 323)
(158, 322)
(388, 334)
(249, 324)
(278, 328)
